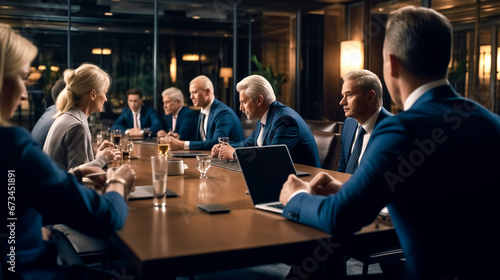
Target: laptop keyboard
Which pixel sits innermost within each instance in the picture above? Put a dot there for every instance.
(277, 206)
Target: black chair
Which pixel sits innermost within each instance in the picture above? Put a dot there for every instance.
(328, 148)
(326, 126)
(376, 247)
(89, 249)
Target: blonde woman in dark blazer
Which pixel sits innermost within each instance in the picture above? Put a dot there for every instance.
(69, 141)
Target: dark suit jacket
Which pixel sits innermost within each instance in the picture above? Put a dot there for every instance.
(42, 126)
(222, 121)
(46, 195)
(446, 215)
(285, 126)
(148, 120)
(185, 125)
(348, 135)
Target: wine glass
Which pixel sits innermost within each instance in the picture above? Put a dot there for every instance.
(163, 146)
(203, 164)
(126, 147)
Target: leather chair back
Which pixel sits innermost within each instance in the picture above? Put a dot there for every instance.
(328, 148)
(326, 126)
(248, 125)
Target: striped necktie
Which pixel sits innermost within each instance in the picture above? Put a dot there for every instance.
(202, 126)
(352, 164)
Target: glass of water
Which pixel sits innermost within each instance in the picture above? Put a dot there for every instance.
(159, 166)
(223, 140)
(203, 164)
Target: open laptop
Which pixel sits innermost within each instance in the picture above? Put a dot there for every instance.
(265, 170)
(187, 154)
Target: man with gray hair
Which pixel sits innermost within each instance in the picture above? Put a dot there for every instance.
(277, 124)
(179, 121)
(362, 103)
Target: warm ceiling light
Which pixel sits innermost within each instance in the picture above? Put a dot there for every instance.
(173, 69)
(108, 14)
(226, 73)
(42, 67)
(101, 28)
(54, 68)
(102, 51)
(196, 17)
(351, 56)
(193, 57)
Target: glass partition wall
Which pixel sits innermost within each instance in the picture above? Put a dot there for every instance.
(300, 41)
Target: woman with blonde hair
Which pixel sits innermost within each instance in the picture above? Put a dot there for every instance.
(38, 192)
(69, 141)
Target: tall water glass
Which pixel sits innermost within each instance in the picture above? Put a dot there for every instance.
(159, 166)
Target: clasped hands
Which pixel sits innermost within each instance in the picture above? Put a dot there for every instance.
(321, 184)
(222, 151)
(108, 150)
(124, 172)
(163, 133)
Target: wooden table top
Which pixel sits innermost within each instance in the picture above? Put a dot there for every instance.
(166, 241)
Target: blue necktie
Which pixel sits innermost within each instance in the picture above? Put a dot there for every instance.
(352, 164)
(202, 126)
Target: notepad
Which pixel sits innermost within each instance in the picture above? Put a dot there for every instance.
(145, 192)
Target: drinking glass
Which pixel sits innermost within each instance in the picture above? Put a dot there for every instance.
(126, 146)
(101, 136)
(117, 136)
(159, 166)
(147, 132)
(224, 140)
(203, 164)
(163, 146)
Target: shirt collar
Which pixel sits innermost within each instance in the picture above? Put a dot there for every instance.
(177, 113)
(416, 94)
(264, 117)
(206, 110)
(370, 123)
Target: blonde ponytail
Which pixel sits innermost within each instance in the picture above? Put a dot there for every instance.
(80, 82)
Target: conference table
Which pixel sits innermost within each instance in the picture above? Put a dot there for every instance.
(182, 240)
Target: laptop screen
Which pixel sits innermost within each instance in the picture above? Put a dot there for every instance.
(265, 169)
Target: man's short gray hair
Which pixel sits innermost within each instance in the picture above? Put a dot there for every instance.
(366, 80)
(174, 93)
(256, 85)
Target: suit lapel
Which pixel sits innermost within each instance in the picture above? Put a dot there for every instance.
(350, 138)
(269, 122)
(210, 120)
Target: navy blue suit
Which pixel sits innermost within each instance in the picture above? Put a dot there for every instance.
(285, 126)
(446, 214)
(148, 120)
(43, 195)
(42, 126)
(222, 122)
(349, 134)
(185, 125)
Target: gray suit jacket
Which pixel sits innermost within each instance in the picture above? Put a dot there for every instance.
(69, 141)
